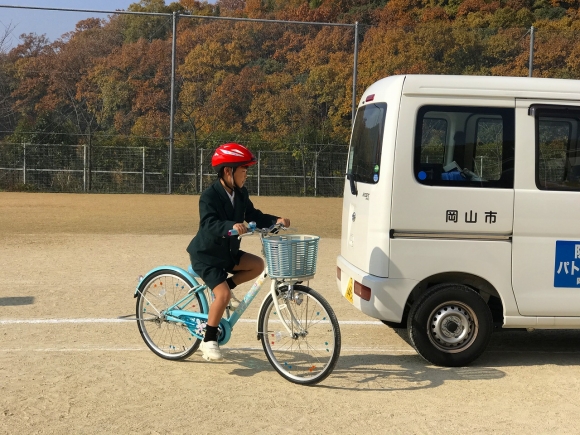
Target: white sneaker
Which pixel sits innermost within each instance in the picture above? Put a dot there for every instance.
(211, 351)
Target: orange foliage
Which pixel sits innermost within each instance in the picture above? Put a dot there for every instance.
(432, 14)
(470, 6)
(399, 13)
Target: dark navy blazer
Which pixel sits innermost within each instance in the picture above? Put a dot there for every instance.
(217, 216)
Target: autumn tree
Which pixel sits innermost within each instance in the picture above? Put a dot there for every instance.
(147, 25)
(7, 81)
(129, 90)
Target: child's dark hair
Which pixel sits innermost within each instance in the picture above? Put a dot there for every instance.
(220, 172)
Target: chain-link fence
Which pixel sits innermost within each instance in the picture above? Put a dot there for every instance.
(80, 168)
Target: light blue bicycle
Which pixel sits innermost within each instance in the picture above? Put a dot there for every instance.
(298, 328)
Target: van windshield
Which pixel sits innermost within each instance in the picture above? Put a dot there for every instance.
(365, 146)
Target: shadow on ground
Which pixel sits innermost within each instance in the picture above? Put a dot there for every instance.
(388, 372)
(378, 372)
(16, 300)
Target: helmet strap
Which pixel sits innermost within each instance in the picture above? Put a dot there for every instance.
(225, 182)
(233, 178)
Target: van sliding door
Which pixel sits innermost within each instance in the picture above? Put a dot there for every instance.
(546, 239)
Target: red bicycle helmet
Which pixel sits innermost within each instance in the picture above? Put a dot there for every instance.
(232, 155)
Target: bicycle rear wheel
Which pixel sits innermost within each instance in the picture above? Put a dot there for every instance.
(308, 353)
(161, 290)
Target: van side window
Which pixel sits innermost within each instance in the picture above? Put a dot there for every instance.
(489, 148)
(557, 147)
(433, 140)
(366, 143)
(464, 146)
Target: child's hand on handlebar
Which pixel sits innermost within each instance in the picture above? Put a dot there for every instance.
(240, 228)
(284, 221)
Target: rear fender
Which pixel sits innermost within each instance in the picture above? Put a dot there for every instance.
(188, 277)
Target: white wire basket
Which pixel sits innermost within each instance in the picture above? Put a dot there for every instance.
(291, 256)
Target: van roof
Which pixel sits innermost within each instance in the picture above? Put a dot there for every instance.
(488, 86)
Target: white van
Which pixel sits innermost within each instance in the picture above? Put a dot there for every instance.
(462, 209)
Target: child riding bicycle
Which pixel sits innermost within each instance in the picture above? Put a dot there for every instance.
(223, 206)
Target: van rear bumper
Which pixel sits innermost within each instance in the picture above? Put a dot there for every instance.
(388, 296)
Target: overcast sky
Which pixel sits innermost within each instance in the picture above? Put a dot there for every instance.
(51, 23)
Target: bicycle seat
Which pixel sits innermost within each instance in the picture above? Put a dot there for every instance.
(192, 272)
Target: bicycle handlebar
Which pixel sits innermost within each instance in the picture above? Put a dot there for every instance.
(252, 229)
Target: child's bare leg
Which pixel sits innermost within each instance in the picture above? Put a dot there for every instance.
(249, 268)
(218, 306)
(209, 346)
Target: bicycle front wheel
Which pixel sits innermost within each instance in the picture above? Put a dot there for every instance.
(305, 345)
(167, 339)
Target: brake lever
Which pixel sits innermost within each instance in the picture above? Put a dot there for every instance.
(274, 229)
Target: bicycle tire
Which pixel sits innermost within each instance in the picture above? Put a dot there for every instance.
(306, 356)
(169, 340)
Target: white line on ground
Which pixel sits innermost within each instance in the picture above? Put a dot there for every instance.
(92, 349)
(44, 321)
(57, 321)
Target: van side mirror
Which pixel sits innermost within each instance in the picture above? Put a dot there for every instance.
(353, 188)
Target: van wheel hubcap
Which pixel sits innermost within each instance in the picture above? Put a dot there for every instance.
(452, 327)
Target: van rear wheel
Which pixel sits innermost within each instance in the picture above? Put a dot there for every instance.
(450, 325)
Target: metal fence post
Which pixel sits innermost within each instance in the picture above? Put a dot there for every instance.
(200, 170)
(259, 160)
(303, 172)
(90, 159)
(531, 65)
(315, 173)
(24, 165)
(143, 169)
(85, 168)
(172, 103)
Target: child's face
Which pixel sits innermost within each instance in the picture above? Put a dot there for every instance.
(240, 175)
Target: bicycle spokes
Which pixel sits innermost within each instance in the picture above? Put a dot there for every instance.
(301, 337)
(163, 293)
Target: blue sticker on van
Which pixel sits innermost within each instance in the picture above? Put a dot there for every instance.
(422, 175)
(376, 178)
(567, 264)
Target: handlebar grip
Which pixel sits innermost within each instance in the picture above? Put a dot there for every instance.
(232, 232)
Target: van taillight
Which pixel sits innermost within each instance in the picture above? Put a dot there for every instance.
(338, 271)
(370, 97)
(362, 291)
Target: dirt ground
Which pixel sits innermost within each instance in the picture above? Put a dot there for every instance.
(68, 363)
